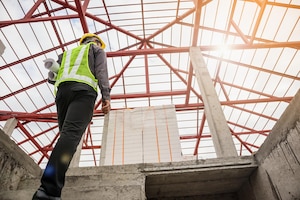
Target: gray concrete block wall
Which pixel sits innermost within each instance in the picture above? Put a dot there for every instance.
(278, 174)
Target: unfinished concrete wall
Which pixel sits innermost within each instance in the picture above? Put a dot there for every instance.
(278, 174)
(141, 135)
(15, 165)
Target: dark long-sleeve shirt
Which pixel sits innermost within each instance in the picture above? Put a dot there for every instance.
(98, 66)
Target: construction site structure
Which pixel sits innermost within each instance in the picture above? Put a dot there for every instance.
(150, 166)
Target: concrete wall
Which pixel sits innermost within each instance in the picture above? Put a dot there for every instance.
(141, 135)
(278, 174)
(15, 164)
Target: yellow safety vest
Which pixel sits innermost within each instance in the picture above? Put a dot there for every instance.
(75, 67)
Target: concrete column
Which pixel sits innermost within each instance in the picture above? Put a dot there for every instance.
(2, 47)
(76, 158)
(9, 126)
(220, 132)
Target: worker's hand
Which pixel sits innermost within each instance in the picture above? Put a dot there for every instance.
(106, 106)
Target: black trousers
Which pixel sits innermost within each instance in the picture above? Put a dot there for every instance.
(75, 105)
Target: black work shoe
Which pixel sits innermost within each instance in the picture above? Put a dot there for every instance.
(41, 194)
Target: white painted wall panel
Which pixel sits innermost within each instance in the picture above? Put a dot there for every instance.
(141, 135)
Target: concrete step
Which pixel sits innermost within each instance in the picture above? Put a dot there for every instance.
(87, 181)
(81, 187)
(107, 183)
(17, 194)
(133, 192)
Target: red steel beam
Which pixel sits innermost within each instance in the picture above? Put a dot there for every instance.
(61, 45)
(106, 11)
(243, 143)
(67, 5)
(28, 135)
(147, 76)
(295, 44)
(81, 12)
(262, 5)
(23, 116)
(33, 9)
(253, 67)
(198, 7)
(37, 135)
(200, 133)
(49, 145)
(43, 108)
(31, 20)
(36, 55)
(147, 95)
(255, 113)
(261, 132)
(177, 74)
(5, 115)
(238, 30)
(75, 9)
(247, 128)
(245, 89)
(117, 76)
(22, 90)
(177, 20)
(189, 137)
(50, 148)
(89, 136)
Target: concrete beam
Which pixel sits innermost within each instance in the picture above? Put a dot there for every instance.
(2, 48)
(9, 126)
(197, 179)
(220, 132)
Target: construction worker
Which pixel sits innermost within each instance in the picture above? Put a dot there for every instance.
(81, 70)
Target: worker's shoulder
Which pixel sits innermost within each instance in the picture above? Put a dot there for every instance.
(97, 50)
(95, 47)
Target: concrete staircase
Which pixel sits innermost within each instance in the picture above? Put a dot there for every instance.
(90, 183)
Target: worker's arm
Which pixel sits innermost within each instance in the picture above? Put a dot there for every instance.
(101, 73)
(59, 62)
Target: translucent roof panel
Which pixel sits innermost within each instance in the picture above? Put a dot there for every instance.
(250, 48)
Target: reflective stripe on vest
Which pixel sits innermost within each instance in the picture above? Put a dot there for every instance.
(70, 71)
